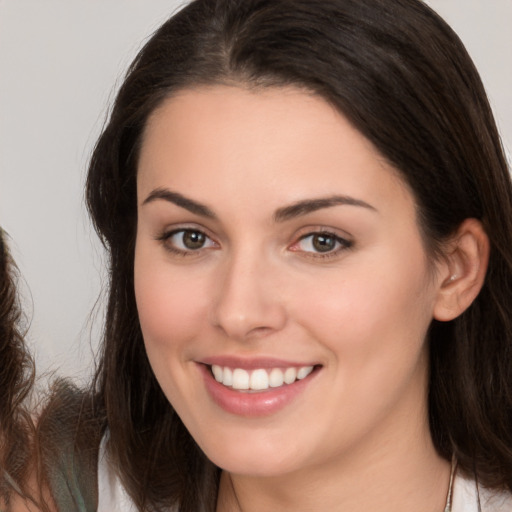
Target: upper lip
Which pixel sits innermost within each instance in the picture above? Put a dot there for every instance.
(253, 363)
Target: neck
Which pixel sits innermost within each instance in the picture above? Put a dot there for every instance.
(399, 473)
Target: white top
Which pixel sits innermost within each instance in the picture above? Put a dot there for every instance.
(466, 493)
(112, 496)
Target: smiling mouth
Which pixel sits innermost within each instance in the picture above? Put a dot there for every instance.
(259, 379)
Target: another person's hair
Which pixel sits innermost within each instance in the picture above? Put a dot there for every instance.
(16, 379)
(403, 78)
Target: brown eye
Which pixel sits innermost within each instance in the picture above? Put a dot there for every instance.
(186, 241)
(323, 242)
(193, 239)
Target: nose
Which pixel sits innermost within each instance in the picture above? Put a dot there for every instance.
(248, 303)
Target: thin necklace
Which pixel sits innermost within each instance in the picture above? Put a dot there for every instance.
(447, 508)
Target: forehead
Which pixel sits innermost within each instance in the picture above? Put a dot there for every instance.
(274, 139)
(248, 113)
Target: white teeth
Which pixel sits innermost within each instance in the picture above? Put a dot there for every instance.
(227, 379)
(276, 378)
(290, 375)
(217, 373)
(260, 379)
(240, 379)
(304, 372)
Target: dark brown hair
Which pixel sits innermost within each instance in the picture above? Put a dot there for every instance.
(402, 77)
(16, 379)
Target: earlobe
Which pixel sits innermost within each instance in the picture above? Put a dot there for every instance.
(466, 259)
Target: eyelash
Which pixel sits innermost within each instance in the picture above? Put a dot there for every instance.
(342, 243)
(167, 236)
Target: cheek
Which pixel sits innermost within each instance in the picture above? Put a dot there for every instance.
(381, 306)
(170, 306)
(373, 323)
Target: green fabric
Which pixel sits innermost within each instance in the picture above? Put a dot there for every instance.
(73, 486)
(69, 438)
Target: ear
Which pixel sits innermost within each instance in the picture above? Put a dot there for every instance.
(462, 273)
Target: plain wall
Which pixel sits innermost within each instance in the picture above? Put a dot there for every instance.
(60, 64)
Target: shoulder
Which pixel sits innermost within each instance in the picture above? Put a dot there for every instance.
(68, 439)
(495, 501)
(469, 496)
(112, 496)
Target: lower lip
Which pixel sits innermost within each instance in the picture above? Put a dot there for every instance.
(254, 403)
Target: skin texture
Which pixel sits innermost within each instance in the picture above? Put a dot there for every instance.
(357, 436)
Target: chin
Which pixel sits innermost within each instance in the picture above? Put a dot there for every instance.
(250, 457)
(255, 466)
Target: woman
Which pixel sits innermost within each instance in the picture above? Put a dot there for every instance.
(16, 377)
(308, 216)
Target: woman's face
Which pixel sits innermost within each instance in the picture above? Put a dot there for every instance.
(277, 250)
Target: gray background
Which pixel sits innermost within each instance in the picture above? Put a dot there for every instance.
(60, 64)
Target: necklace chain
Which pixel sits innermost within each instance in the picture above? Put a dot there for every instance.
(447, 508)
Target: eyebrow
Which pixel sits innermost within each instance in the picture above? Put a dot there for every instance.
(311, 205)
(180, 200)
(281, 214)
